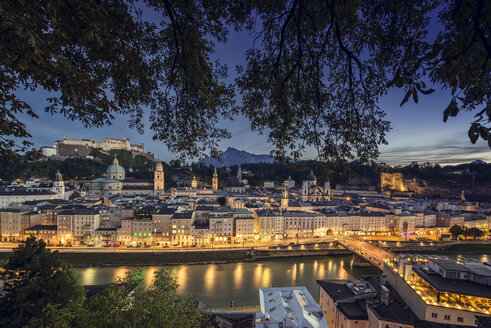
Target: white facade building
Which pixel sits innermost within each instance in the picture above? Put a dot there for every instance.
(289, 307)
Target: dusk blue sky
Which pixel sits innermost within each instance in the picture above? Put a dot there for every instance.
(418, 132)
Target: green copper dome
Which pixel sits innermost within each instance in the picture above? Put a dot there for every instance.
(115, 168)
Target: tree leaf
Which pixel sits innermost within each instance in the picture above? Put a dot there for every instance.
(427, 92)
(474, 132)
(451, 110)
(406, 97)
(415, 96)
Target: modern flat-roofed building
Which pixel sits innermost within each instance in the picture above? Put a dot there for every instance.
(441, 290)
(293, 307)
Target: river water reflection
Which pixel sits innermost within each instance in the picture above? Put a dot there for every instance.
(219, 284)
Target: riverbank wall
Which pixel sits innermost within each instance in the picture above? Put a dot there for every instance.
(134, 258)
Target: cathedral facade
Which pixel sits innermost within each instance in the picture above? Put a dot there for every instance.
(312, 192)
(116, 182)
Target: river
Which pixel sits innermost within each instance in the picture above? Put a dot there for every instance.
(219, 284)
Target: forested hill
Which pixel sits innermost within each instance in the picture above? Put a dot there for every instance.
(255, 173)
(78, 168)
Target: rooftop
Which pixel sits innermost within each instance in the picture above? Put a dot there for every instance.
(292, 306)
(452, 285)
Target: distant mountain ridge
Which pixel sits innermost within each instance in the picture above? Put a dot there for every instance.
(233, 156)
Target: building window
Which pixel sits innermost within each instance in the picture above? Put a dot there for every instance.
(447, 317)
(434, 315)
(460, 319)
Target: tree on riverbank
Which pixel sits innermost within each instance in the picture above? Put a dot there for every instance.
(456, 231)
(35, 282)
(129, 303)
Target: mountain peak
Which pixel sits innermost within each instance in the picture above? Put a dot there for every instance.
(232, 156)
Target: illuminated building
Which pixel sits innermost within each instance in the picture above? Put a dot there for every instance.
(181, 228)
(214, 180)
(312, 192)
(59, 185)
(48, 233)
(77, 225)
(116, 182)
(158, 178)
(441, 290)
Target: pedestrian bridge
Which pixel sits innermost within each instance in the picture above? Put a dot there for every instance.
(370, 253)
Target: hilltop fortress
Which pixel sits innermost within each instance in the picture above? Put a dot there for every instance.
(81, 148)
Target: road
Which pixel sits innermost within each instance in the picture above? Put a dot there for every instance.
(8, 247)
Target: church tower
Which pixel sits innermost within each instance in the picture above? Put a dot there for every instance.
(59, 185)
(194, 183)
(158, 178)
(214, 180)
(327, 190)
(284, 197)
(239, 174)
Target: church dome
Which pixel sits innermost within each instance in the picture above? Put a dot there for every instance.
(115, 168)
(58, 176)
(311, 177)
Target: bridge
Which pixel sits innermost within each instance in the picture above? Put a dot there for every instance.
(370, 253)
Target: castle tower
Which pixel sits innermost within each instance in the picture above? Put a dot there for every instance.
(194, 183)
(59, 185)
(239, 173)
(462, 195)
(214, 180)
(284, 197)
(158, 177)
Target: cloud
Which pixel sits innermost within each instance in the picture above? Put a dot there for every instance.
(444, 151)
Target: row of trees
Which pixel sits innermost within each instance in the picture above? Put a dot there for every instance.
(473, 232)
(41, 291)
(313, 75)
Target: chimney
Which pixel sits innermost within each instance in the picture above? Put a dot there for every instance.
(384, 295)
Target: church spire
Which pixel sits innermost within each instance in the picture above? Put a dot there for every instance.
(214, 180)
(239, 173)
